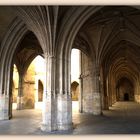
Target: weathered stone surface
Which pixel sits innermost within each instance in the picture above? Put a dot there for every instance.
(64, 112)
(4, 107)
(108, 38)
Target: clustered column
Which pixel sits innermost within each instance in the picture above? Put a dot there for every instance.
(64, 99)
(96, 94)
(49, 98)
(4, 107)
(20, 104)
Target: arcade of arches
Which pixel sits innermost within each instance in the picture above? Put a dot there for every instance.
(108, 40)
(31, 86)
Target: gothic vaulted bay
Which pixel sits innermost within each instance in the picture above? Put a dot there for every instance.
(72, 68)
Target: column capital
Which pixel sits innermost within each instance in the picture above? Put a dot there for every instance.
(46, 55)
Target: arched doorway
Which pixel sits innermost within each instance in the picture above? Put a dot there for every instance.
(75, 96)
(75, 72)
(75, 91)
(40, 91)
(82, 82)
(126, 96)
(125, 90)
(31, 86)
(15, 87)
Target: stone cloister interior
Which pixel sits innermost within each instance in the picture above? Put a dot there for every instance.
(70, 63)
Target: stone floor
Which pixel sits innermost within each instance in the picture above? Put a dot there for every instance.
(122, 118)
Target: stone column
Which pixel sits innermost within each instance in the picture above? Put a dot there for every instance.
(36, 91)
(20, 103)
(97, 95)
(102, 94)
(109, 93)
(49, 100)
(80, 94)
(4, 107)
(64, 99)
(80, 85)
(106, 106)
(64, 112)
(5, 100)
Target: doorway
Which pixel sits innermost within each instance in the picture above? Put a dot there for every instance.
(125, 90)
(126, 97)
(75, 72)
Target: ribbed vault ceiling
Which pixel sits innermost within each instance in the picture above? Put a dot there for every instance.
(114, 36)
(27, 50)
(111, 35)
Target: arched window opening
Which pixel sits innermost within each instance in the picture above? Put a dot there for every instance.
(75, 91)
(15, 83)
(40, 91)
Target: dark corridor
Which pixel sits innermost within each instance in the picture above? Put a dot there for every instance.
(126, 97)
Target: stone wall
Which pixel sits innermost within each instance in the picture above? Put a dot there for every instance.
(87, 82)
(4, 107)
(15, 84)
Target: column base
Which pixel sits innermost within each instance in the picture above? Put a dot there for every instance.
(97, 113)
(60, 127)
(46, 128)
(20, 104)
(65, 126)
(4, 117)
(106, 106)
(4, 108)
(64, 112)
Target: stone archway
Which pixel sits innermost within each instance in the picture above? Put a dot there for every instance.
(75, 91)
(63, 53)
(15, 87)
(12, 42)
(58, 42)
(25, 58)
(8, 48)
(125, 90)
(40, 91)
